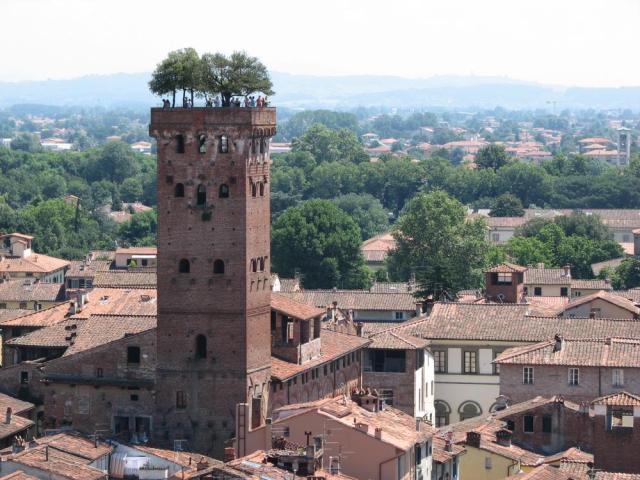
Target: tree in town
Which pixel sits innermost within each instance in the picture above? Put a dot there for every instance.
(437, 243)
(236, 75)
(627, 274)
(321, 242)
(507, 205)
(491, 156)
(367, 211)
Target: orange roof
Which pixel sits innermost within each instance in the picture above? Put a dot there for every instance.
(507, 268)
(292, 308)
(18, 475)
(34, 263)
(137, 250)
(618, 399)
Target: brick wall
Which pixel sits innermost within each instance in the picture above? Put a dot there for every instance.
(336, 381)
(231, 309)
(402, 384)
(554, 380)
(569, 428)
(613, 450)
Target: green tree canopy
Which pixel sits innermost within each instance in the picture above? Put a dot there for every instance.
(491, 156)
(507, 205)
(179, 70)
(237, 74)
(367, 211)
(627, 274)
(436, 242)
(328, 145)
(321, 242)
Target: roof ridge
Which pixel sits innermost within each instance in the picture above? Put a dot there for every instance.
(516, 351)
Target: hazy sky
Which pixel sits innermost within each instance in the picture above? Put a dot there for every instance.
(570, 42)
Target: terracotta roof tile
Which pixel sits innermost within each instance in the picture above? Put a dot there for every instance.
(125, 279)
(137, 251)
(632, 294)
(617, 476)
(63, 465)
(618, 399)
(18, 424)
(293, 308)
(441, 454)
(356, 299)
(21, 290)
(256, 465)
(546, 306)
(42, 318)
(611, 352)
(34, 263)
(546, 276)
(506, 268)
(82, 268)
(390, 340)
(595, 284)
(546, 472)
(8, 314)
(334, 345)
(17, 406)
(508, 322)
(612, 298)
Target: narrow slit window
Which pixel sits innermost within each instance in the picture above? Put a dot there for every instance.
(224, 191)
(261, 189)
(224, 144)
(201, 199)
(179, 144)
(201, 347)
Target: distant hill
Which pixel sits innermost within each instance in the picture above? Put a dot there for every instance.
(306, 91)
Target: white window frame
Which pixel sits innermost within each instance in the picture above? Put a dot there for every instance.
(617, 379)
(574, 377)
(528, 376)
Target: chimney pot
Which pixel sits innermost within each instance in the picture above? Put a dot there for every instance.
(8, 415)
(378, 433)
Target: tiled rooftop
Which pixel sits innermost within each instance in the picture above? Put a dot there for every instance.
(546, 306)
(390, 340)
(356, 299)
(546, 276)
(608, 297)
(546, 472)
(125, 279)
(82, 268)
(25, 290)
(17, 406)
(334, 345)
(611, 352)
(508, 322)
(618, 399)
(506, 268)
(34, 263)
(293, 308)
(595, 284)
(256, 465)
(18, 475)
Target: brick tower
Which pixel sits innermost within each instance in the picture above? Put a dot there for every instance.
(213, 335)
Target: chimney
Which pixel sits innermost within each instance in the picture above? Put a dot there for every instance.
(202, 464)
(378, 433)
(229, 454)
(418, 309)
(557, 346)
(566, 271)
(473, 439)
(359, 327)
(503, 437)
(418, 424)
(363, 427)
(636, 243)
(7, 419)
(607, 341)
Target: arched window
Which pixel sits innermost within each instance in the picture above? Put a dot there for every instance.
(179, 190)
(202, 143)
(254, 189)
(224, 191)
(201, 347)
(179, 144)
(218, 266)
(254, 265)
(223, 145)
(469, 409)
(261, 189)
(184, 266)
(261, 264)
(262, 145)
(201, 199)
(442, 413)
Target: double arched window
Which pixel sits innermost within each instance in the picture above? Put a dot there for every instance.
(218, 266)
(184, 266)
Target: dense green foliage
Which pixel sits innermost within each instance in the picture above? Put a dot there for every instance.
(436, 243)
(210, 75)
(321, 243)
(507, 205)
(577, 240)
(627, 274)
(367, 211)
(33, 186)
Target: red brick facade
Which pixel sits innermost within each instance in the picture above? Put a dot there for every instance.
(213, 271)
